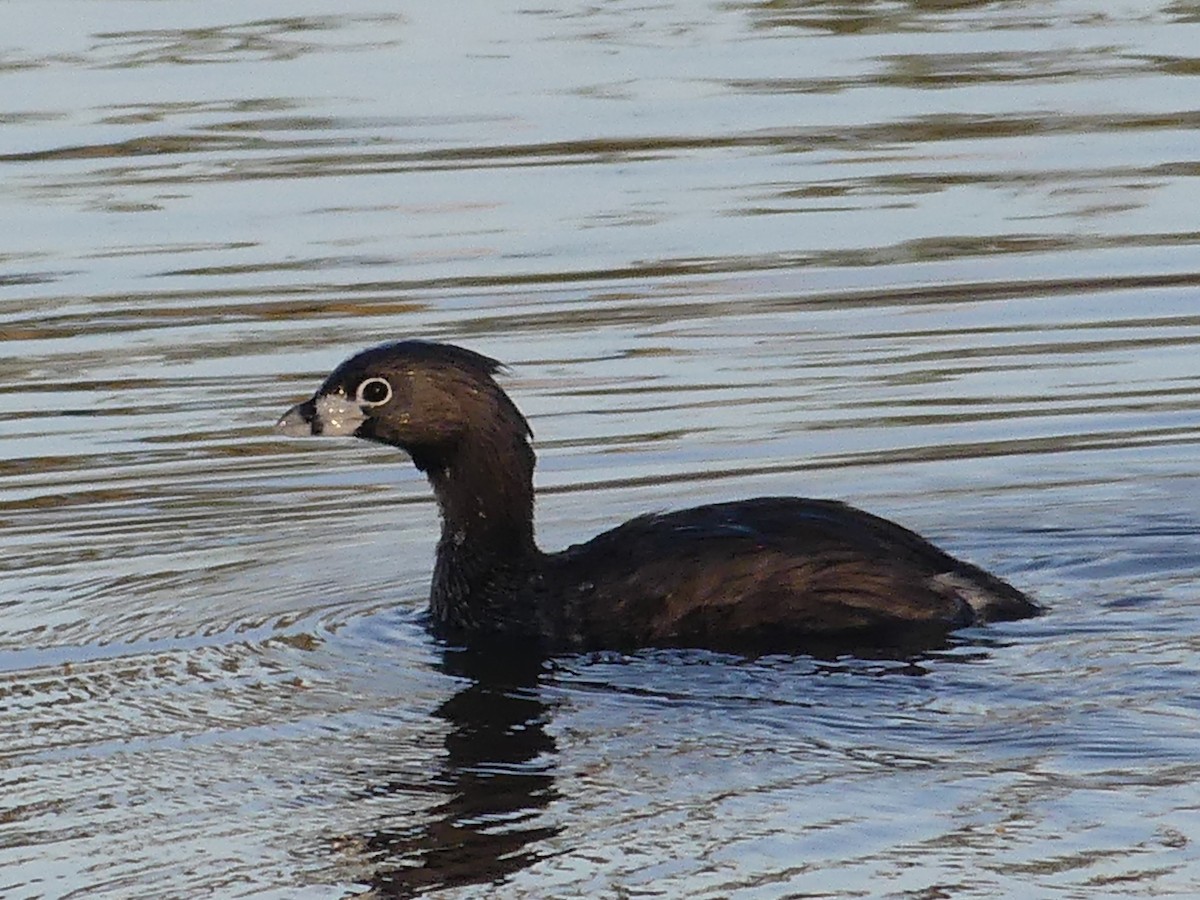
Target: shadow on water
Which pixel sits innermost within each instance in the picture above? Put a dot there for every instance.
(497, 776)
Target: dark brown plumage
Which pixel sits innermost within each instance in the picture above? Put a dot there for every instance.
(761, 575)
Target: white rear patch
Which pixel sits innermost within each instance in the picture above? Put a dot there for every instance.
(979, 598)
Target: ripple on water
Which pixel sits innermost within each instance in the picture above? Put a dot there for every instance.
(932, 258)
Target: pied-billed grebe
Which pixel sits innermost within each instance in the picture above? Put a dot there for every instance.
(761, 575)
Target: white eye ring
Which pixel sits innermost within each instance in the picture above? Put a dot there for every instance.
(374, 392)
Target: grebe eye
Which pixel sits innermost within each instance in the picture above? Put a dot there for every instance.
(374, 391)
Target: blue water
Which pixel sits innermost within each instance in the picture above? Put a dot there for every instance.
(937, 260)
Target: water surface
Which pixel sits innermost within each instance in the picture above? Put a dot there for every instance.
(937, 259)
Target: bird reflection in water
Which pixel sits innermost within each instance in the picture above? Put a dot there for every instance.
(498, 778)
(497, 775)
